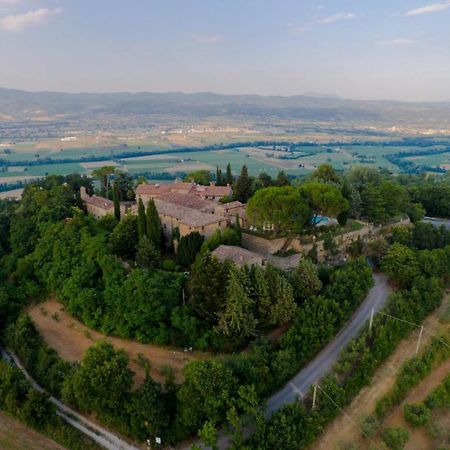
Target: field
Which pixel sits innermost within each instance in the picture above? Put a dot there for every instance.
(344, 431)
(269, 159)
(16, 436)
(70, 338)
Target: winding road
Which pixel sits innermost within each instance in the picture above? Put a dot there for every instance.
(324, 361)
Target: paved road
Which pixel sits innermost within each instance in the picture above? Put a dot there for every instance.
(324, 361)
(437, 222)
(101, 436)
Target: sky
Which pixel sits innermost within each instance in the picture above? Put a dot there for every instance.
(362, 49)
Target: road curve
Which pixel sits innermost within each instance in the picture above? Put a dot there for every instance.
(324, 361)
(321, 365)
(97, 433)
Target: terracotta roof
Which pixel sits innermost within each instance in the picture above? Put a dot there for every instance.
(213, 190)
(99, 202)
(152, 189)
(232, 205)
(238, 255)
(182, 185)
(189, 201)
(186, 216)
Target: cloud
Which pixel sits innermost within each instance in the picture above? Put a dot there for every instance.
(8, 2)
(17, 22)
(398, 42)
(297, 29)
(434, 7)
(208, 38)
(336, 18)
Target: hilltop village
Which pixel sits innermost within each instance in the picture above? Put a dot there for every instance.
(188, 206)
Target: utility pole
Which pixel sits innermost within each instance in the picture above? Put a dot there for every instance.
(418, 341)
(314, 397)
(371, 319)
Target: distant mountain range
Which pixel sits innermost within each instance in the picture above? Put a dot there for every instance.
(17, 105)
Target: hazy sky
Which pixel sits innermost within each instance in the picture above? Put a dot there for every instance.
(396, 49)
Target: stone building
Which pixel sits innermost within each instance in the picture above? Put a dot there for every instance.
(238, 255)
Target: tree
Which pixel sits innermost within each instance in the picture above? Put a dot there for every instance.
(325, 174)
(206, 394)
(141, 220)
(238, 319)
(207, 286)
(282, 179)
(102, 382)
(124, 238)
(219, 180)
(154, 229)
(283, 307)
(148, 411)
(324, 199)
(125, 186)
(373, 206)
(199, 176)
(103, 174)
(305, 280)
(284, 207)
(229, 176)
(116, 197)
(147, 255)
(188, 248)
(208, 434)
(264, 180)
(400, 263)
(243, 188)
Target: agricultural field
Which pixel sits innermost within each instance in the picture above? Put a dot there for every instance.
(16, 436)
(163, 154)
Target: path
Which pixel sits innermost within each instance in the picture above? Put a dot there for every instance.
(97, 433)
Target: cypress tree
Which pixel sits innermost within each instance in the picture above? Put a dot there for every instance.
(229, 177)
(219, 180)
(154, 231)
(243, 187)
(141, 220)
(116, 199)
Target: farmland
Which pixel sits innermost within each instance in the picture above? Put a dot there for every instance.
(23, 162)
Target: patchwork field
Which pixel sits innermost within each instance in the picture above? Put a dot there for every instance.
(70, 338)
(74, 156)
(16, 436)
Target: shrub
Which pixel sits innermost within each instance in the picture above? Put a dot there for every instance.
(169, 265)
(395, 438)
(417, 415)
(370, 426)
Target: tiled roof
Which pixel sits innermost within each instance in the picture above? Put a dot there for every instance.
(232, 205)
(99, 202)
(152, 189)
(186, 216)
(189, 201)
(238, 255)
(214, 191)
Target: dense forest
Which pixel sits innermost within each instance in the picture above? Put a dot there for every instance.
(123, 278)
